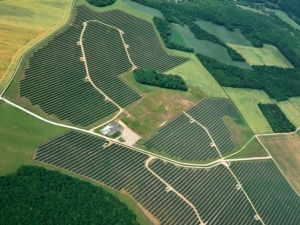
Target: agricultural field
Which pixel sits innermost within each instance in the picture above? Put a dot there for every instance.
(274, 199)
(147, 56)
(106, 59)
(119, 168)
(144, 9)
(56, 77)
(285, 148)
(213, 192)
(24, 24)
(226, 36)
(196, 76)
(282, 15)
(291, 109)
(186, 139)
(269, 55)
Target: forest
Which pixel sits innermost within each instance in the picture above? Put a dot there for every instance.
(101, 3)
(204, 35)
(276, 118)
(164, 30)
(153, 78)
(278, 83)
(34, 195)
(258, 29)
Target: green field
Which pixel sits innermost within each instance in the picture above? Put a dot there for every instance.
(282, 15)
(291, 109)
(21, 133)
(144, 9)
(269, 55)
(246, 101)
(228, 37)
(196, 76)
(252, 9)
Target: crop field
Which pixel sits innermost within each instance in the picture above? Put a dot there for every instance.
(144, 46)
(106, 59)
(282, 15)
(186, 139)
(144, 9)
(209, 113)
(117, 167)
(183, 139)
(226, 36)
(246, 101)
(274, 199)
(290, 110)
(285, 149)
(212, 192)
(22, 25)
(196, 76)
(269, 55)
(55, 78)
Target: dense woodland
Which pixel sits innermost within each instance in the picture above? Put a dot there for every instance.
(101, 3)
(258, 29)
(164, 30)
(153, 78)
(34, 195)
(202, 34)
(276, 118)
(277, 82)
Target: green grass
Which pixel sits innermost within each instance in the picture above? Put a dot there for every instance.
(176, 36)
(253, 149)
(21, 133)
(196, 76)
(282, 15)
(252, 9)
(291, 109)
(268, 55)
(246, 101)
(143, 9)
(137, 86)
(228, 37)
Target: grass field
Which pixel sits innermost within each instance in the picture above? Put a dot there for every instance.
(252, 9)
(22, 25)
(268, 55)
(158, 106)
(228, 37)
(291, 109)
(282, 15)
(21, 133)
(246, 101)
(144, 9)
(285, 151)
(196, 76)
(253, 149)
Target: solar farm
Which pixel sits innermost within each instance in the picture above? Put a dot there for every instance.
(182, 171)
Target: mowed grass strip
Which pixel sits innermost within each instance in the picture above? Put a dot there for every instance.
(285, 149)
(282, 15)
(269, 55)
(22, 25)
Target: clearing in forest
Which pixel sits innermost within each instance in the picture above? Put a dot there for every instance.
(285, 149)
(282, 15)
(228, 37)
(22, 25)
(144, 9)
(269, 55)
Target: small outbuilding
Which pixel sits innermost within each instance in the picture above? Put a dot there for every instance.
(111, 128)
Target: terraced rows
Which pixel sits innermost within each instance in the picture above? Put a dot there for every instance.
(144, 46)
(209, 113)
(274, 199)
(183, 139)
(119, 168)
(55, 81)
(106, 59)
(212, 192)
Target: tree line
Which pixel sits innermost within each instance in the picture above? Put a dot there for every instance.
(34, 195)
(278, 83)
(101, 3)
(153, 78)
(164, 30)
(276, 118)
(204, 35)
(258, 29)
